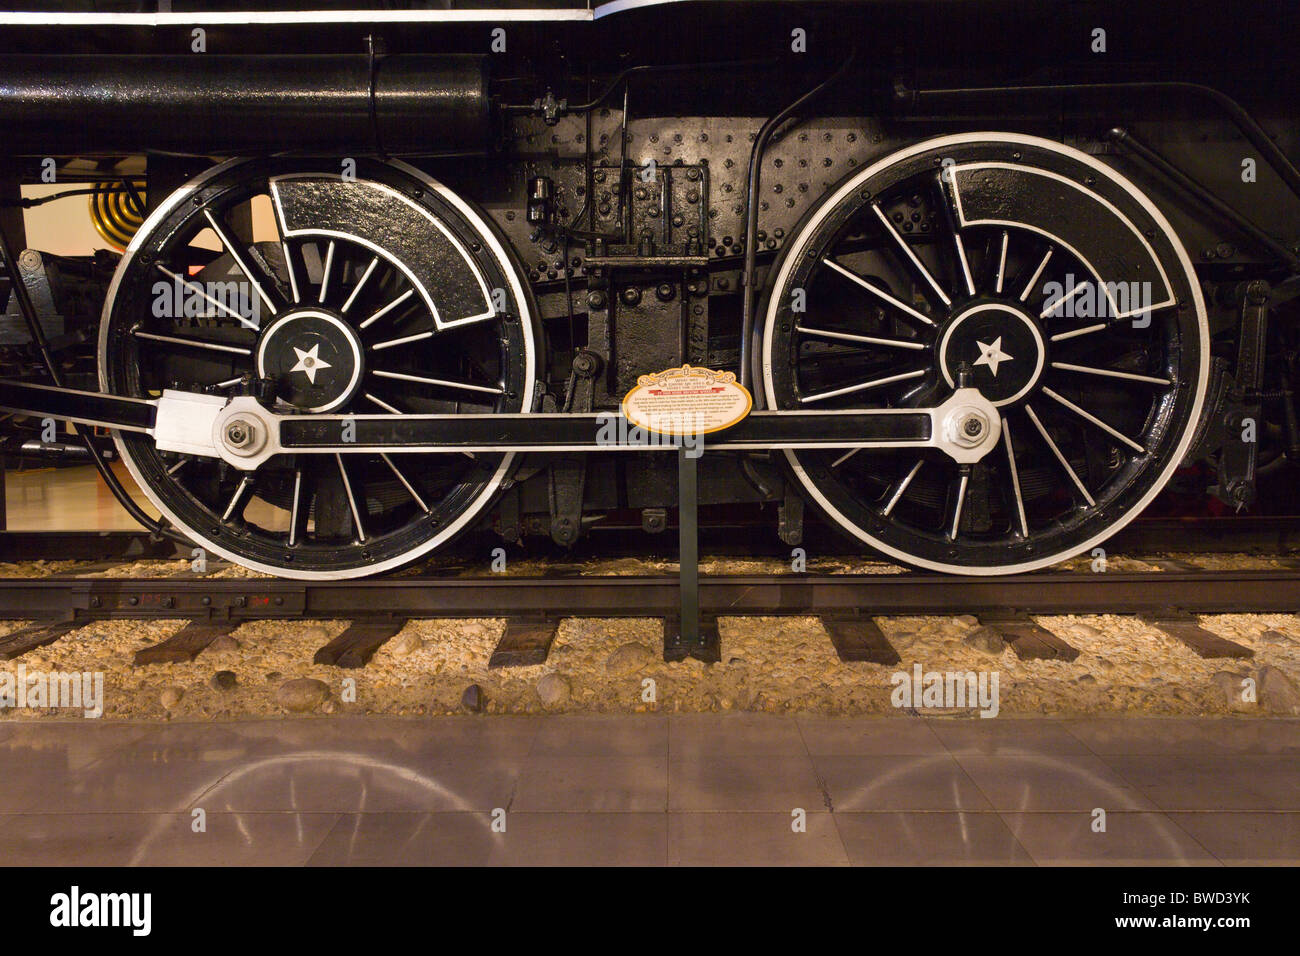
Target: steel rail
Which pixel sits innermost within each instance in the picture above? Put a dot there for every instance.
(1050, 592)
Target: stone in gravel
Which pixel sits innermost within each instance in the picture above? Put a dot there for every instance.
(1271, 636)
(473, 699)
(273, 676)
(302, 694)
(1229, 687)
(328, 707)
(1277, 692)
(970, 620)
(986, 639)
(223, 643)
(223, 680)
(404, 645)
(628, 659)
(1085, 630)
(1085, 679)
(553, 690)
(171, 697)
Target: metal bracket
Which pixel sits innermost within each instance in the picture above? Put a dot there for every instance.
(1238, 457)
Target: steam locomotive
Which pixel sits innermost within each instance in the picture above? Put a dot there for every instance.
(994, 274)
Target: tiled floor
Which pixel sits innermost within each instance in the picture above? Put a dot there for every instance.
(688, 789)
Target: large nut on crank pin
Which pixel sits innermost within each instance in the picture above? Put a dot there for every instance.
(966, 426)
(244, 437)
(971, 428)
(244, 434)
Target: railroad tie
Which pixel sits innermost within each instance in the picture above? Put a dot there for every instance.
(186, 644)
(1173, 564)
(1030, 640)
(860, 639)
(19, 642)
(355, 646)
(524, 641)
(1187, 629)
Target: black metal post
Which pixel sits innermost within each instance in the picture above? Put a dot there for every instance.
(689, 635)
(688, 545)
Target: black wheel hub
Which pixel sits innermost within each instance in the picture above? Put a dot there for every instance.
(314, 357)
(999, 344)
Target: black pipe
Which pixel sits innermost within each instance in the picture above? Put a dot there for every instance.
(208, 104)
(915, 100)
(748, 291)
(1126, 140)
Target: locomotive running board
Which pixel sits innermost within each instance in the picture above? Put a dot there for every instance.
(244, 433)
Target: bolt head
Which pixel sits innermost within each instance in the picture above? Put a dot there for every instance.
(239, 433)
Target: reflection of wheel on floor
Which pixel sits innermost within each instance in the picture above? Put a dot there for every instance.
(386, 293)
(1047, 277)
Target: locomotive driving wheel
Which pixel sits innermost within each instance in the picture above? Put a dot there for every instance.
(1045, 278)
(379, 292)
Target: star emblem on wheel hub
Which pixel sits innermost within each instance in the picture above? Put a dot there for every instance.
(310, 362)
(991, 354)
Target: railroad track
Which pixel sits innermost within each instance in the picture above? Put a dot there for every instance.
(848, 605)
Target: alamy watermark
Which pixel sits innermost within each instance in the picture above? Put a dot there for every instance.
(1085, 299)
(946, 690)
(182, 298)
(667, 429)
(82, 691)
(75, 908)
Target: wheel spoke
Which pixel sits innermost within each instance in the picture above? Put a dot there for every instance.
(1086, 416)
(1059, 456)
(965, 263)
(1064, 298)
(1015, 476)
(1075, 333)
(402, 376)
(382, 404)
(325, 274)
(405, 484)
(1033, 279)
(902, 486)
(295, 507)
(875, 383)
(845, 457)
(199, 291)
(1002, 263)
(1111, 373)
(293, 275)
(361, 284)
(352, 501)
(911, 256)
(388, 308)
(236, 498)
(961, 500)
(233, 251)
(417, 337)
(879, 292)
(192, 343)
(842, 337)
